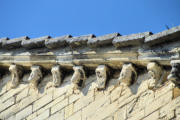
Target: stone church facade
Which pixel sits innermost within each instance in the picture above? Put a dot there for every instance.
(110, 77)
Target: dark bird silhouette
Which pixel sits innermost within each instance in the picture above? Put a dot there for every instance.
(167, 27)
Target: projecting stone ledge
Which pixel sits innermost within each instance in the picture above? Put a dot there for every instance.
(84, 41)
(102, 40)
(80, 41)
(167, 35)
(35, 43)
(14, 43)
(130, 40)
(57, 42)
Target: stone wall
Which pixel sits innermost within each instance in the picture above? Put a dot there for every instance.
(110, 77)
(115, 102)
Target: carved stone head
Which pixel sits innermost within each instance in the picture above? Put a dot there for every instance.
(78, 77)
(101, 74)
(128, 74)
(56, 74)
(16, 74)
(155, 73)
(35, 75)
(175, 72)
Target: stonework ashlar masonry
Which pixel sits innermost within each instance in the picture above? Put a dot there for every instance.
(88, 77)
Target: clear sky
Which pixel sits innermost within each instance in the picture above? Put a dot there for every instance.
(36, 18)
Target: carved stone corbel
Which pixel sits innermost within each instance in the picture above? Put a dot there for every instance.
(35, 76)
(16, 74)
(78, 78)
(174, 75)
(128, 74)
(101, 74)
(155, 72)
(57, 76)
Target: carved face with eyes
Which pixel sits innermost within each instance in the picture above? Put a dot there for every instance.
(35, 75)
(16, 74)
(78, 77)
(56, 74)
(155, 73)
(101, 74)
(154, 70)
(175, 73)
(128, 74)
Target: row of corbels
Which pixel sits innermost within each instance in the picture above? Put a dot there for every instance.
(128, 75)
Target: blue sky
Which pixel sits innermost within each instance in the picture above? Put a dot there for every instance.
(36, 18)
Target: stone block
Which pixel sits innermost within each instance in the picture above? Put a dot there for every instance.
(153, 116)
(7, 104)
(12, 92)
(26, 101)
(109, 118)
(164, 89)
(43, 116)
(80, 40)
(35, 43)
(57, 42)
(138, 116)
(169, 109)
(94, 106)
(98, 95)
(42, 102)
(177, 113)
(59, 106)
(84, 101)
(120, 114)
(176, 92)
(57, 116)
(157, 103)
(12, 118)
(22, 94)
(54, 102)
(76, 116)
(2, 89)
(68, 110)
(74, 97)
(24, 113)
(102, 40)
(9, 112)
(138, 104)
(60, 91)
(32, 116)
(104, 112)
(14, 43)
(130, 40)
(125, 97)
(116, 93)
(163, 36)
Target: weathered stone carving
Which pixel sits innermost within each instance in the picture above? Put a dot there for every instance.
(175, 72)
(128, 74)
(155, 72)
(16, 74)
(78, 77)
(56, 74)
(35, 76)
(101, 74)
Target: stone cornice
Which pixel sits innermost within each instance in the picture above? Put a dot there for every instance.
(114, 39)
(146, 51)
